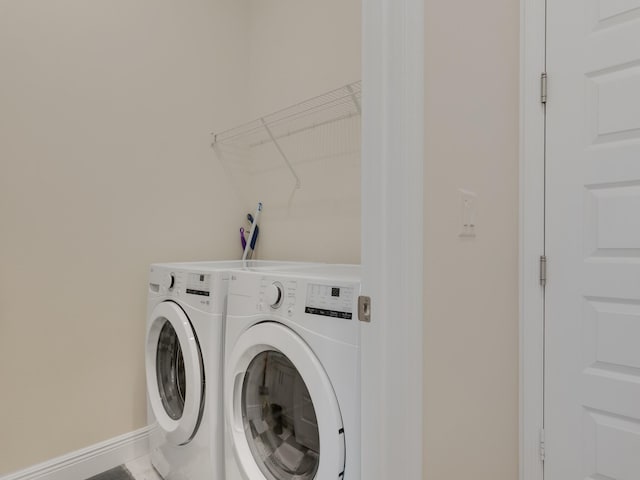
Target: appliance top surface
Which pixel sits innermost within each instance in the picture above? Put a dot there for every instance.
(346, 272)
(224, 265)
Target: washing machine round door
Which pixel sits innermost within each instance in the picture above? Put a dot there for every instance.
(281, 408)
(175, 374)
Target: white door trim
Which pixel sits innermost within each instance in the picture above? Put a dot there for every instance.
(392, 238)
(532, 64)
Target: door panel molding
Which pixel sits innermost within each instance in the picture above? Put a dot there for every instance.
(592, 367)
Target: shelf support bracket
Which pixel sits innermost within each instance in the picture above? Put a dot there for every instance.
(355, 100)
(282, 154)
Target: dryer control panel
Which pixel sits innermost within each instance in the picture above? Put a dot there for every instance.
(199, 289)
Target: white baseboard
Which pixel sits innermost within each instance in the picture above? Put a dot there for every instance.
(89, 461)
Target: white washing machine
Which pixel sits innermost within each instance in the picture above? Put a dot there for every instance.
(184, 342)
(292, 375)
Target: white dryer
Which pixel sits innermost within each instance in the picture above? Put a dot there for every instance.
(292, 375)
(184, 342)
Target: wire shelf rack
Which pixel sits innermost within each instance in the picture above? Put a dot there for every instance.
(332, 106)
(339, 104)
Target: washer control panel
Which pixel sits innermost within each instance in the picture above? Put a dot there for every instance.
(330, 301)
(317, 300)
(198, 284)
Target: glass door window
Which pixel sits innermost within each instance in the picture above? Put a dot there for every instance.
(170, 372)
(174, 372)
(280, 419)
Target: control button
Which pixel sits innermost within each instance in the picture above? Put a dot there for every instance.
(274, 294)
(290, 310)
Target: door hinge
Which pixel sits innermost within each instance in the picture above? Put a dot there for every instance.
(364, 309)
(543, 88)
(543, 270)
(542, 446)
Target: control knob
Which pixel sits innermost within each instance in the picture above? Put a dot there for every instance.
(274, 294)
(167, 281)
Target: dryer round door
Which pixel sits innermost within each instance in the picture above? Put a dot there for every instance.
(175, 374)
(281, 408)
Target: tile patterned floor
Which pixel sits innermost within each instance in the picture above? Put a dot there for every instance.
(141, 469)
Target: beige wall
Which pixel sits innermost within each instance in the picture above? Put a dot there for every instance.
(300, 49)
(471, 293)
(105, 115)
(106, 109)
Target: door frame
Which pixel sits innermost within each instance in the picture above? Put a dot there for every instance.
(532, 231)
(392, 232)
(392, 238)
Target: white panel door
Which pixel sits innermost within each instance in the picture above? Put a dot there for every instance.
(592, 320)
